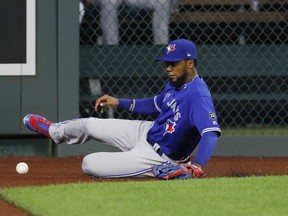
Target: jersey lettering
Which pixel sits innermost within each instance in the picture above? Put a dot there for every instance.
(169, 104)
(166, 96)
(177, 116)
(170, 126)
(175, 109)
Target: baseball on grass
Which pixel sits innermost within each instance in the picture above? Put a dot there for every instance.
(22, 168)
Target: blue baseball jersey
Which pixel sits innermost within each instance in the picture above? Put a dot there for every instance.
(185, 114)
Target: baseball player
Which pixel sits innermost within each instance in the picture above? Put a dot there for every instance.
(161, 148)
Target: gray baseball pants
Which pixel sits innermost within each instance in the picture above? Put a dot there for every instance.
(137, 156)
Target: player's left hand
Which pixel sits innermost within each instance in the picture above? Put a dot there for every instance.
(170, 171)
(197, 171)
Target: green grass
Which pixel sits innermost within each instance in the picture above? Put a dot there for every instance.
(211, 196)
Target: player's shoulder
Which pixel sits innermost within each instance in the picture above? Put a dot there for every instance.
(168, 87)
(199, 88)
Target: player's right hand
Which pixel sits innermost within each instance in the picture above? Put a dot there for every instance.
(106, 101)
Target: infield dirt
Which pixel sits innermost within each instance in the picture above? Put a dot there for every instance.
(46, 171)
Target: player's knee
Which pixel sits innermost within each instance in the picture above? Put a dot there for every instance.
(88, 166)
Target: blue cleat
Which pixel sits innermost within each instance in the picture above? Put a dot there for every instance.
(171, 171)
(38, 124)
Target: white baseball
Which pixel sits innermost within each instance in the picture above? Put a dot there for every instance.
(22, 168)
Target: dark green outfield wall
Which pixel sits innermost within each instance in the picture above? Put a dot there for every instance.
(53, 92)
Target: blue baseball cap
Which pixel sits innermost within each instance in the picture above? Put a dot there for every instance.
(178, 50)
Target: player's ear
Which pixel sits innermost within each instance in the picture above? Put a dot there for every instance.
(191, 63)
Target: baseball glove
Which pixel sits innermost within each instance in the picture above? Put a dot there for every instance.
(171, 171)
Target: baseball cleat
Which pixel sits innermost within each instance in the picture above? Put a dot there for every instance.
(37, 123)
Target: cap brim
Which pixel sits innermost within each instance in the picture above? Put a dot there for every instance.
(169, 59)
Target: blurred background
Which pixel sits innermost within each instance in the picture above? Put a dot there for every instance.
(242, 47)
(83, 49)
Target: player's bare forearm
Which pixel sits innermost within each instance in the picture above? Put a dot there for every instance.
(106, 101)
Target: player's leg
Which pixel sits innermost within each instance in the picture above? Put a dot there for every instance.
(122, 134)
(137, 162)
(119, 133)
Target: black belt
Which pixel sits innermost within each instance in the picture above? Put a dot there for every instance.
(156, 147)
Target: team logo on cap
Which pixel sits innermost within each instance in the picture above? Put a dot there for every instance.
(171, 47)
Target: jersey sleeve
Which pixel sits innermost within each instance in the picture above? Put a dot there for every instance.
(150, 105)
(206, 148)
(146, 106)
(205, 119)
(203, 115)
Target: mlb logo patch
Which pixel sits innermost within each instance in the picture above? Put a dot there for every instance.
(212, 115)
(171, 47)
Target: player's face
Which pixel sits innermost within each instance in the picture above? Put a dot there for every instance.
(178, 72)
